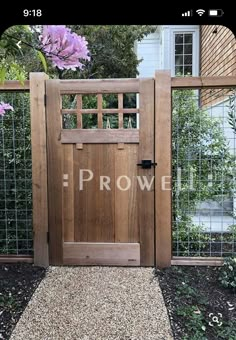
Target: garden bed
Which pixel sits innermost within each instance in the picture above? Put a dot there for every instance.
(199, 307)
(17, 284)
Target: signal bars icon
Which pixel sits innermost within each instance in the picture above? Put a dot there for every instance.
(187, 14)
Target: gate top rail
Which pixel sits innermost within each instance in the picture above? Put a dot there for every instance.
(127, 85)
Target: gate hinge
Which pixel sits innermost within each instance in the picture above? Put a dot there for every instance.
(47, 236)
(45, 99)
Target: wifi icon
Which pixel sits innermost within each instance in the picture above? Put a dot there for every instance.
(200, 12)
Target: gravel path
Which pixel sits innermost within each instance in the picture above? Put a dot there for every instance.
(95, 303)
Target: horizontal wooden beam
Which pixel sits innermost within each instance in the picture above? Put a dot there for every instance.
(16, 258)
(103, 136)
(114, 254)
(74, 111)
(15, 85)
(202, 82)
(129, 85)
(196, 261)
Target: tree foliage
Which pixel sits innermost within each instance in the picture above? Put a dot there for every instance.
(111, 48)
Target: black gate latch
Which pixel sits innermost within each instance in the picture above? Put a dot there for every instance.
(146, 164)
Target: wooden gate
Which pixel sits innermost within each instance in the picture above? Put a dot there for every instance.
(92, 226)
(91, 222)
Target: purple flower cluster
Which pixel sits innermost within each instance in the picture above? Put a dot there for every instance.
(64, 48)
(4, 107)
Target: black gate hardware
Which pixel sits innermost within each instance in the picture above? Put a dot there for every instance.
(146, 164)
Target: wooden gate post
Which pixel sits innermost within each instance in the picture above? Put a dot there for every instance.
(39, 168)
(163, 169)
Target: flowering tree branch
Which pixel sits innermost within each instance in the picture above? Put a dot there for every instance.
(4, 107)
(64, 48)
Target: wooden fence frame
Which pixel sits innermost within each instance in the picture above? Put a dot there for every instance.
(164, 84)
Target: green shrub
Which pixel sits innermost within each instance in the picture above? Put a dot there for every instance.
(227, 332)
(188, 238)
(231, 236)
(194, 322)
(228, 273)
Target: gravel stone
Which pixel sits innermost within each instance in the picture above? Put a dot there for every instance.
(95, 303)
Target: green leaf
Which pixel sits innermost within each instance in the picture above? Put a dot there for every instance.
(43, 60)
(19, 74)
(2, 74)
(21, 78)
(26, 27)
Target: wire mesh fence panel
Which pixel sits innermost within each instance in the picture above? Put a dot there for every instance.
(15, 176)
(203, 170)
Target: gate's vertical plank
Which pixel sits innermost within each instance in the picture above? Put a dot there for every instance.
(92, 194)
(55, 175)
(146, 151)
(107, 167)
(68, 193)
(121, 197)
(81, 207)
(101, 202)
(134, 232)
(163, 159)
(39, 168)
(126, 224)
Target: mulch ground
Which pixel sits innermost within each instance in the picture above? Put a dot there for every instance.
(17, 284)
(198, 306)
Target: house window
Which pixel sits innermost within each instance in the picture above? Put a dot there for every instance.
(183, 54)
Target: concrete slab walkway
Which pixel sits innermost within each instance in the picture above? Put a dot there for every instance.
(95, 303)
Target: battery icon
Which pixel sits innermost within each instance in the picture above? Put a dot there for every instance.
(215, 12)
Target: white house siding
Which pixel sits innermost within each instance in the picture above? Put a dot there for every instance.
(149, 51)
(157, 50)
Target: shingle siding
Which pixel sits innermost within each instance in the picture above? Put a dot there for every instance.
(218, 51)
(218, 58)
